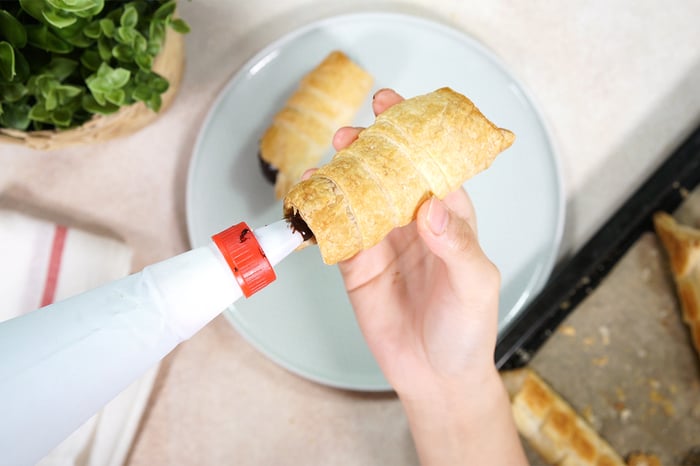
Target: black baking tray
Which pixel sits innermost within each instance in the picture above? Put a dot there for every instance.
(578, 276)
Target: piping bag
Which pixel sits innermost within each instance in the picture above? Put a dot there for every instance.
(62, 363)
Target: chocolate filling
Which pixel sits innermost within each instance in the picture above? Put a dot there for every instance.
(268, 171)
(298, 224)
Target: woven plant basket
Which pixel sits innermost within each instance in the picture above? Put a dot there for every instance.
(169, 63)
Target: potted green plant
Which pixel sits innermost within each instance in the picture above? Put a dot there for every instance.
(75, 71)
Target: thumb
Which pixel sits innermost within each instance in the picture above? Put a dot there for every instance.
(455, 242)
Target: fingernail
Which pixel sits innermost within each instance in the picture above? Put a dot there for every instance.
(437, 217)
(380, 90)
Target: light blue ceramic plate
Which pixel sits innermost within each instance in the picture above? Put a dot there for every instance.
(303, 321)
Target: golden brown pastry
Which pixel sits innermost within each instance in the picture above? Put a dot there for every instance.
(327, 98)
(424, 146)
(552, 426)
(682, 244)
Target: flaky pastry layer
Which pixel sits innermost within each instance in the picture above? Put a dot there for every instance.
(682, 243)
(552, 426)
(327, 98)
(424, 146)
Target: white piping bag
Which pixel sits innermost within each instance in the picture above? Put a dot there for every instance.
(62, 363)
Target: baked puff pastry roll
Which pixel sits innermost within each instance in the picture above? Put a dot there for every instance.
(327, 98)
(424, 146)
(552, 426)
(682, 243)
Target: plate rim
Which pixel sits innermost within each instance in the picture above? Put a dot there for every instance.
(443, 28)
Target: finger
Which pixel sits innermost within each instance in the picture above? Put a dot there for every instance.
(460, 203)
(454, 241)
(345, 136)
(383, 99)
(307, 174)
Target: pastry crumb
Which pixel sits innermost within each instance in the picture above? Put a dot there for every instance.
(567, 330)
(666, 405)
(625, 415)
(601, 361)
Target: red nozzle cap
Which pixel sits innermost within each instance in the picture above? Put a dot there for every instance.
(246, 258)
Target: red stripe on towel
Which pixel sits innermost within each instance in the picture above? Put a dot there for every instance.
(59, 240)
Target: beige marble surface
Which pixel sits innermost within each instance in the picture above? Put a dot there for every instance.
(617, 83)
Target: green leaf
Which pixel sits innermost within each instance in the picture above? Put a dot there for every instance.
(93, 30)
(16, 116)
(12, 30)
(107, 26)
(40, 113)
(91, 105)
(100, 98)
(104, 49)
(140, 44)
(46, 84)
(107, 79)
(116, 96)
(67, 92)
(31, 85)
(7, 61)
(123, 53)
(74, 33)
(142, 77)
(62, 117)
(78, 39)
(118, 77)
(180, 26)
(154, 102)
(12, 92)
(22, 70)
(156, 36)
(72, 5)
(158, 83)
(51, 101)
(34, 8)
(39, 36)
(125, 35)
(91, 60)
(156, 31)
(97, 86)
(142, 92)
(130, 17)
(61, 67)
(58, 18)
(81, 8)
(165, 10)
(144, 61)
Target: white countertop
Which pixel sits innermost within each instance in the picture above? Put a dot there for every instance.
(616, 82)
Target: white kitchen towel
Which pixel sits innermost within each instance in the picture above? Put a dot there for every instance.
(42, 262)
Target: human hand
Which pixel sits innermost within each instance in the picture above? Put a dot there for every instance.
(426, 300)
(426, 297)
